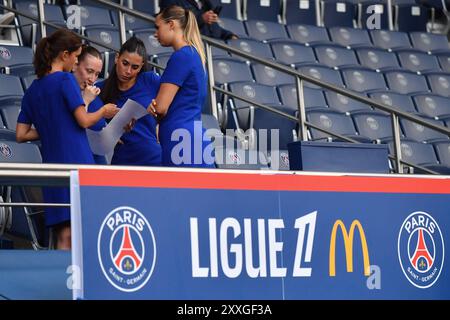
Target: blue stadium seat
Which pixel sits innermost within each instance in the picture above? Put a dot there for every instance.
(390, 40)
(363, 80)
(108, 36)
(366, 14)
(321, 73)
(269, 76)
(332, 121)
(27, 81)
(265, 30)
(373, 125)
(267, 120)
(308, 34)
(93, 16)
(343, 104)
(132, 23)
(417, 61)
(17, 61)
(421, 133)
(240, 110)
(411, 17)
(235, 26)
(9, 112)
(444, 61)
(231, 70)
(377, 59)
(337, 13)
(443, 152)
(279, 160)
(392, 99)
(240, 159)
(230, 8)
(254, 47)
(429, 42)
(439, 83)
(162, 60)
(10, 86)
(145, 6)
(335, 56)
(268, 10)
(299, 11)
(406, 82)
(433, 106)
(313, 97)
(349, 37)
(152, 44)
(292, 53)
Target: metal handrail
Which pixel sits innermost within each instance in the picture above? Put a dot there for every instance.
(395, 112)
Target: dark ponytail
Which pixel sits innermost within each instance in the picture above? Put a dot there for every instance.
(110, 92)
(50, 47)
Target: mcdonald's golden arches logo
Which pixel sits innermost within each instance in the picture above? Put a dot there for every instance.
(348, 244)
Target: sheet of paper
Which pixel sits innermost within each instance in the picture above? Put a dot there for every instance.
(103, 142)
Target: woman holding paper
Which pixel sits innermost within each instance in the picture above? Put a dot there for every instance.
(54, 105)
(129, 80)
(183, 91)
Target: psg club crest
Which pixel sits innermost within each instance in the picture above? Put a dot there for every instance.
(421, 249)
(126, 249)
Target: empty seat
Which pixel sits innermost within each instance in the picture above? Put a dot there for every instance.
(373, 125)
(132, 23)
(268, 10)
(418, 61)
(406, 82)
(390, 40)
(350, 37)
(377, 59)
(421, 133)
(440, 83)
(362, 80)
(16, 60)
(335, 56)
(444, 61)
(273, 131)
(443, 152)
(231, 70)
(292, 53)
(240, 159)
(28, 80)
(253, 47)
(152, 44)
(341, 103)
(312, 97)
(230, 8)
(211, 124)
(10, 86)
(108, 36)
(332, 121)
(308, 34)
(337, 13)
(392, 99)
(411, 17)
(278, 159)
(235, 26)
(372, 15)
(429, 42)
(434, 106)
(256, 92)
(9, 111)
(145, 6)
(321, 73)
(269, 76)
(265, 30)
(93, 16)
(299, 11)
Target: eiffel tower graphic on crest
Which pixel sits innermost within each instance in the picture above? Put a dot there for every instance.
(127, 260)
(421, 259)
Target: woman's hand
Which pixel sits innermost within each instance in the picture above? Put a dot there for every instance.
(152, 108)
(90, 93)
(110, 110)
(130, 125)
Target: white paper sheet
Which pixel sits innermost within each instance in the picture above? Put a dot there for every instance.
(103, 142)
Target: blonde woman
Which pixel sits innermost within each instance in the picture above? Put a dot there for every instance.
(182, 93)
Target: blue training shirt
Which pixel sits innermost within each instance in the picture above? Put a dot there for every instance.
(94, 106)
(185, 69)
(140, 144)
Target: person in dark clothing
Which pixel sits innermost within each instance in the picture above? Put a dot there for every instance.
(206, 18)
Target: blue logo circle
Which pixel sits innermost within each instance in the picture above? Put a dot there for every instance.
(126, 249)
(421, 249)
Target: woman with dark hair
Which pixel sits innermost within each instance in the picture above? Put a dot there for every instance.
(183, 91)
(129, 79)
(54, 105)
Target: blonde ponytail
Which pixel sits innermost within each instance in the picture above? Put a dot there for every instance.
(191, 34)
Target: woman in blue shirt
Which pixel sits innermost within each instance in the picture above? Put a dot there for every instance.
(182, 93)
(129, 80)
(54, 105)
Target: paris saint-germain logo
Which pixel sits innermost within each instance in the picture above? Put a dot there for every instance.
(126, 249)
(421, 249)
